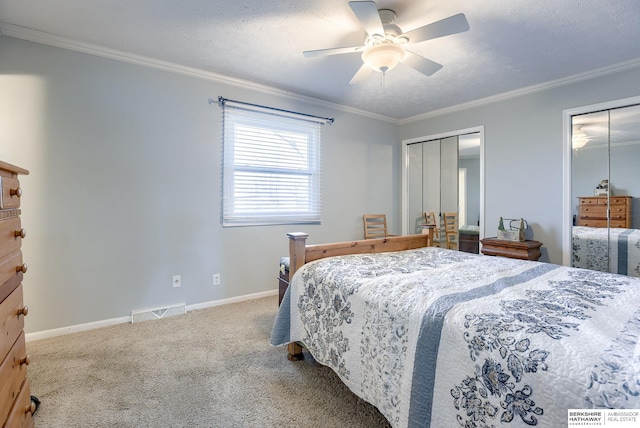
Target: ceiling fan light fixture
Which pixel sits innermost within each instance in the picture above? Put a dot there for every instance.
(579, 139)
(579, 142)
(385, 43)
(383, 57)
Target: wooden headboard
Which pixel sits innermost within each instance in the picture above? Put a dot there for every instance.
(301, 253)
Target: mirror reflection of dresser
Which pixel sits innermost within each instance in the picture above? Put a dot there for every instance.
(593, 212)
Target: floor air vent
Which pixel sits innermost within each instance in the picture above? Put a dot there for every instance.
(158, 313)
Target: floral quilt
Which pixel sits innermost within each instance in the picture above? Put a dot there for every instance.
(440, 338)
(592, 244)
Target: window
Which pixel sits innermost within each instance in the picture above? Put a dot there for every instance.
(271, 166)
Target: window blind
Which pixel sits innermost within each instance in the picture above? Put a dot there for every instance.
(271, 167)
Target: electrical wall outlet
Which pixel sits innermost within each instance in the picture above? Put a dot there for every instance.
(216, 279)
(177, 282)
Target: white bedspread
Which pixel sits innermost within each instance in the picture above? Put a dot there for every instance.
(592, 244)
(439, 338)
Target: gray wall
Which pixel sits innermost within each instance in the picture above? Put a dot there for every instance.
(124, 190)
(524, 149)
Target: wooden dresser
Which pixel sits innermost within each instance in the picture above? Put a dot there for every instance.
(592, 211)
(16, 407)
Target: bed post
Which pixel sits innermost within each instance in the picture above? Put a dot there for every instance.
(297, 245)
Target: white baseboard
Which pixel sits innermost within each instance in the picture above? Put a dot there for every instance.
(213, 303)
(75, 328)
(127, 319)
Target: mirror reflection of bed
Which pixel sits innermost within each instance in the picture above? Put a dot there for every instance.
(605, 188)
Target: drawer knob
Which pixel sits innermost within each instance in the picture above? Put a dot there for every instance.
(22, 268)
(26, 360)
(20, 233)
(23, 311)
(16, 192)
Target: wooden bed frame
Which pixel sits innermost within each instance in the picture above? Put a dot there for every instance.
(301, 253)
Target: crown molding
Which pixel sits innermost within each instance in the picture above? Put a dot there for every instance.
(41, 37)
(44, 38)
(604, 71)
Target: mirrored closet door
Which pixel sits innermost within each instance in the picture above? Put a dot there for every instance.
(605, 189)
(443, 175)
(432, 183)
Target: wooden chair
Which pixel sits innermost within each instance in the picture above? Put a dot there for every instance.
(430, 218)
(375, 226)
(451, 230)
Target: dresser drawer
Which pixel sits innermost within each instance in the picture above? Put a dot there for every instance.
(603, 201)
(21, 414)
(616, 201)
(618, 210)
(622, 218)
(10, 265)
(592, 223)
(11, 235)
(618, 223)
(13, 372)
(603, 223)
(594, 209)
(12, 313)
(592, 201)
(11, 193)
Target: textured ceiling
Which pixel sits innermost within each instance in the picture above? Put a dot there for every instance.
(511, 44)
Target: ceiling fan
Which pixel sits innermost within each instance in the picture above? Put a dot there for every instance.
(386, 45)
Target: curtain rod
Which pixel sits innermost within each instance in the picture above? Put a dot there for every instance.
(222, 101)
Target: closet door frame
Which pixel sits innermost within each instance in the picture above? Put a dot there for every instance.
(567, 153)
(405, 171)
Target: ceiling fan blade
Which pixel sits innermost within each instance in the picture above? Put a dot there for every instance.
(361, 75)
(367, 13)
(332, 51)
(445, 27)
(421, 64)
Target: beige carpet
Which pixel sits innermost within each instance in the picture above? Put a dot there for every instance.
(209, 368)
